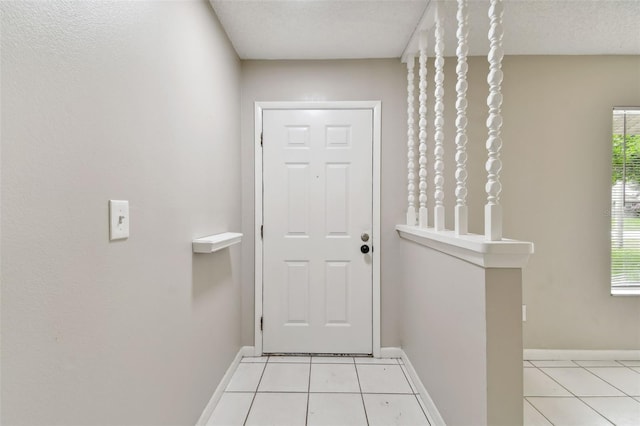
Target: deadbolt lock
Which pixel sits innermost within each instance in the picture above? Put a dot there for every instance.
(364, 237)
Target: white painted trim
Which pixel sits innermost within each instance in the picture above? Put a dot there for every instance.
(581, 355)
(375, 296)
(247, 351)
(617, 291)
(433, 415)
(216, 242)
(376, 106)
(390, 352)
(217, 394)
(472, 248)
(258, 223)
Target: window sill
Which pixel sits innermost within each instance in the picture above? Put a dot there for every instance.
(471, 248)
(625, 291)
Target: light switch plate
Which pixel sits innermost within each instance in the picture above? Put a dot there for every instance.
(118, 219)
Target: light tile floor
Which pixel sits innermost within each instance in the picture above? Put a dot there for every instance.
(346, 391)
(581, 393)
(314, 391)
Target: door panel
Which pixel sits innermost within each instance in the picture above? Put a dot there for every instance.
(317, 201)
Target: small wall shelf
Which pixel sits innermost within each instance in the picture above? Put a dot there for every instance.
(216, 242)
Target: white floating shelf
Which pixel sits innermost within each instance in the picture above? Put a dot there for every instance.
(216, 242)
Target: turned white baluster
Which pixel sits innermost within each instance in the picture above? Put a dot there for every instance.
(423, 213)
(438, 165)
(461, 212)
(411, 141)
(493, 210)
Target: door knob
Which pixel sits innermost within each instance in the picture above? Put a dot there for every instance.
(364, 237)
(364, 249)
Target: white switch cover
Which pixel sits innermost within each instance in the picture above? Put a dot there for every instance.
(118, 219)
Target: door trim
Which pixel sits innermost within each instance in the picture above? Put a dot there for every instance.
(376, 107)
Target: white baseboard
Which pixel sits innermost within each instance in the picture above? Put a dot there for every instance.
(248, 351)
(580, 355)
(433, 415)
(391, 352)
(217, 394)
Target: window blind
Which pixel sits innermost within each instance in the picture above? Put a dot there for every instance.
(625, 202)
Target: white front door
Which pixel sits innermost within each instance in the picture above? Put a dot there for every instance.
(317, 210)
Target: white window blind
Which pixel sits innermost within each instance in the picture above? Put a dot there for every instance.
(625, 202)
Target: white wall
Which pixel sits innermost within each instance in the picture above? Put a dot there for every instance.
(332, 81)
(116, 100)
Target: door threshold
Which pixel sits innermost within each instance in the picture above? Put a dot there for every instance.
(317, 354)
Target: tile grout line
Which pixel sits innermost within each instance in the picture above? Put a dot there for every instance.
(615, 387)
(422, 409)
(366, 393)
(593, 408)
(415, 395)
(364, 407)
(536, 408)
(246, 418)
(559, 384)
(574, 395)
(409, 382)
(306, 418)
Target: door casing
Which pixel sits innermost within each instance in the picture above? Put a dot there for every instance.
(376, 107)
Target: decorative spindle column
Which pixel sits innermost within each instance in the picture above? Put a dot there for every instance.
(493, 209)
(461, 212)
(423, 213)
(438, 166)
(411, 141)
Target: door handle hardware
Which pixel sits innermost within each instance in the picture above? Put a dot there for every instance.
(364, 249)
(364, 237)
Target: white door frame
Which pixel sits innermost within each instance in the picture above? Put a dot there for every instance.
(376, 107)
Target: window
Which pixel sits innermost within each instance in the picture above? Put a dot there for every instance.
(625, 202)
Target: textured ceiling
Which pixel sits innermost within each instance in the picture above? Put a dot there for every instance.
(554, 27)
(336, 29)
(319, 29)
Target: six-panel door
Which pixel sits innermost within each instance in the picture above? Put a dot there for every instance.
(317, 201)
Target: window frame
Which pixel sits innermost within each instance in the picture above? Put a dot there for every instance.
(633, 289)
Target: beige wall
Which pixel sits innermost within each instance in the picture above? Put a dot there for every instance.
(135, 101)
(557, 132)
(557, 151)
(503, 292)
(555, 178)
(556, 172)
(444, 330)
(461, 331)
(140, 102)
(332, 81)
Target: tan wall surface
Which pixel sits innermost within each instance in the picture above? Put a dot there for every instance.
(556, 154)
(332, 81)
(503, 292)
(444, 331)
(139, 102)
(128, 100)
(557, 173)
